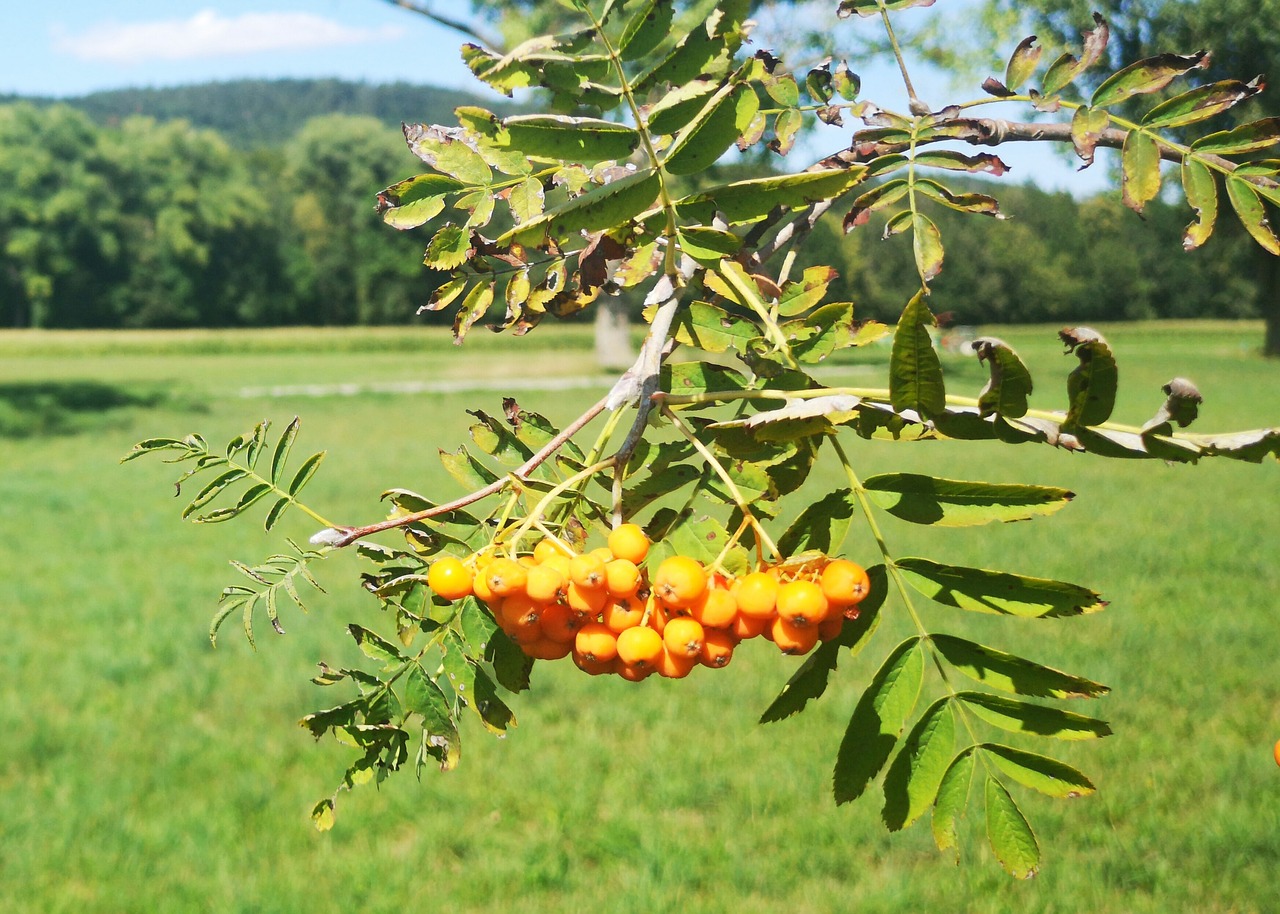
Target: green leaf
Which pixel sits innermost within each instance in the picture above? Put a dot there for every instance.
(786, 127)
(712, 329)
(998, 592)
(473, 308)
(584, 140)
(1087, 127)
(809, 681)
(1022, 63)
(708, 246)
(645, 30)
(953, 797)
(752, 200)
(282, 449)
(1035, 720)
(1039, 772)
(470, 473)
(600, 208)
(1091, 386)
(1012, 840)
(305, 472)
(422, 696)
(251, 496)
(1010, 673)
(1252, 137)
(1201, 103)
(1251, 213)
(926, 243)
(915, 372)
(956, 503)
(1139, 170)
(212, 489)
(1145, 76)
(277, 511)
(912, 782)
(375, 647)
(710, 134)
(511, 665)
(447, 154)
(1063, 71)
(822, 525)
(448, 248)
(1006, 392)
(878, 720)
(322, 814)
(1202, 196)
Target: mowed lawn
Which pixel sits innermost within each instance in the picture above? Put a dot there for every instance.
(142, 771)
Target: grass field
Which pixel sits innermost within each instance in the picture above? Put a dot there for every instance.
(141, 771)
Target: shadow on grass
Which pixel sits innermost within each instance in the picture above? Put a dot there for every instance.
(47, 408)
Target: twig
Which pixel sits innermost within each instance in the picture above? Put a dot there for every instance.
(345, 536)
(492, 42)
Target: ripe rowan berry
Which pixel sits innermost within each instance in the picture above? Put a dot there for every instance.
(621, 577)
(622, 613)
(674, 665)
(746, 627)
(633, 672)
(548, 548)
(844, 582)
(595, 641)
(791, 638)
(505, 577)
(450, 579)
(587, 571)
(559, 623)
(585, 600)
(679, 581)
(717, 648)
(594, 667)
(683, 636)
(546, 649)
(628, 541)
(829, 628)
(716, 609)
(801, 603)
(544, 583)
(638, 646)
(756, 595)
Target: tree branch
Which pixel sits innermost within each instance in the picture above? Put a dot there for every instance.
(491, 41)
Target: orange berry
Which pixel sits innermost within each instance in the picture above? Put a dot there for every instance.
(802, 603)
(757, 595)
(595, 641)
(679, 581)
(683, 637)
(594, 667)
(505, 577)
(829, 628)
(716, 609)
(544, 583)
(633, 672)
(1277, 752)
(844, 582)
(519, 610)
(746, 627)
(639, 645)
(587, 571)
(547, 548)
(717, 648)
(527, 561)
(793, 639)
(674, 665)
(603, 553)
(559, 623)
(628, 541)
(546, 649)
(450, 578)
(622, 613)
(560, 562)
(480, 587)
(621, 577)
(586, 600)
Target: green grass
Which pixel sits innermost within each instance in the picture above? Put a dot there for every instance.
(142, 771)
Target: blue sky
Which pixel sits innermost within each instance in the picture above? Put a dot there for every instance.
(71, 47)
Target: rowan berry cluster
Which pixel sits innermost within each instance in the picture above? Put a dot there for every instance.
(613, 613)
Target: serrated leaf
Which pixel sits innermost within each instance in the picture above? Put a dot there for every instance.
(998, 592)
(1039, 772)
(1202, 196)
(448, 248)
(250, 497)
(1201, 103)
(212, 490)
(423, 697)
(1006, 392)
(912, 782)
(1087, 127)
(511, 665)
(305, 472)
(1252, 137)
(1035, 720)
(878, 720)
(474, 307)
(646, 29)
(1011, 673)
(1066, 68)
(602, 207)
(285, 444)
(1012, 840)
(1252, 213)
(470, 473)
(952, 798)
(915, 371)
(926, 244)
(1022, 63)
(924, 499)
(751, 200)
(1139, 170)
(1145, 76)
(712, 329)
(1091, 386)
(584, 140)
(708, 246)
(710, 134)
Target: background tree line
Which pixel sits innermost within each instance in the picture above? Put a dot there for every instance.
(236, 204)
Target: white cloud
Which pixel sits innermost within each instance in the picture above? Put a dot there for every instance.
(208, 34)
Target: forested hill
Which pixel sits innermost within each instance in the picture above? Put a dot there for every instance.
(257, 112)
